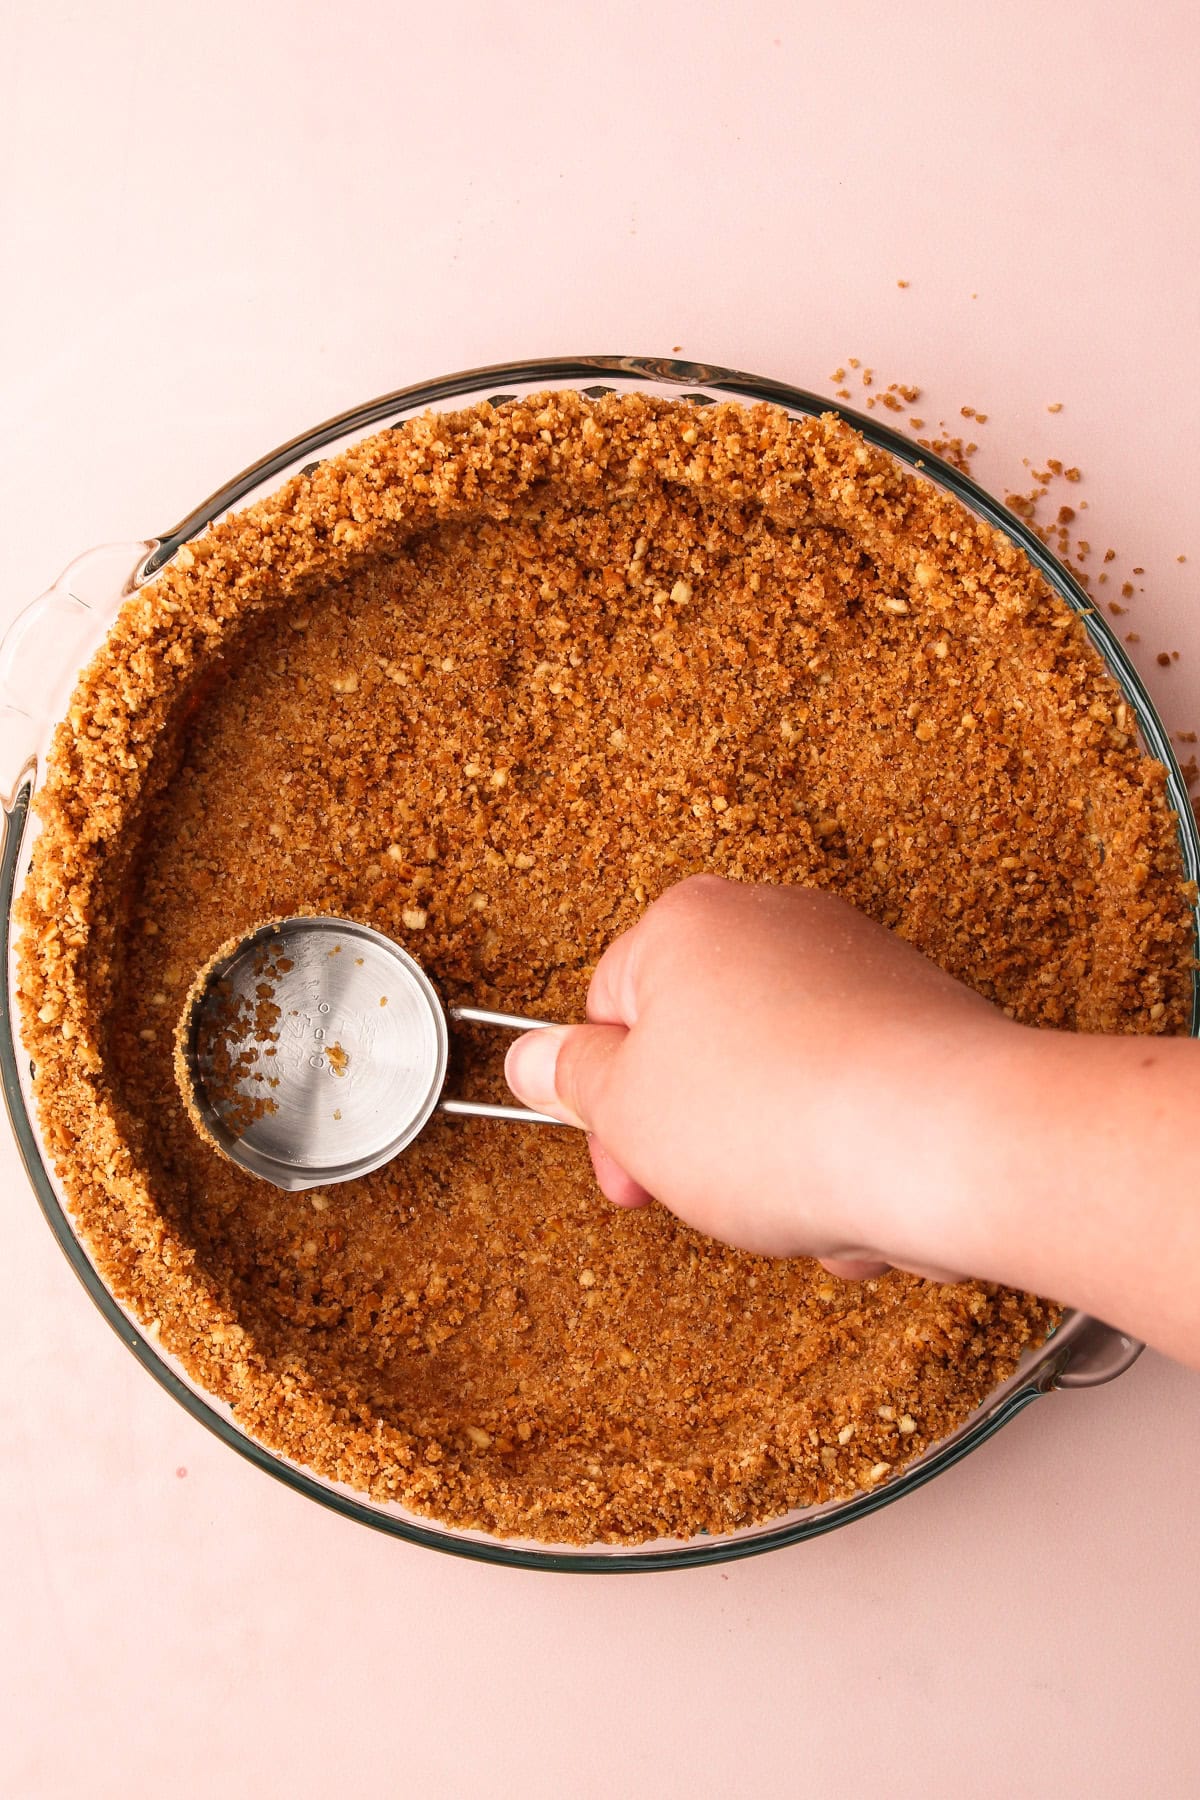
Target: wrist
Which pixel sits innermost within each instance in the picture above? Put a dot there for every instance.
(1063, 1163)
(953, 1195)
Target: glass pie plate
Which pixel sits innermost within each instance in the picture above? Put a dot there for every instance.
(43, 653)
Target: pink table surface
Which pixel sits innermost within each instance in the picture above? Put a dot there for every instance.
(222, 224)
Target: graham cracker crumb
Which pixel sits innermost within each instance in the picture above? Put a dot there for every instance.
(890, 703)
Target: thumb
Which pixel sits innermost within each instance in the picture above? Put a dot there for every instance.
(566, 1070)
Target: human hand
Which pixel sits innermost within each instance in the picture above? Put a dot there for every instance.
(777, 1069)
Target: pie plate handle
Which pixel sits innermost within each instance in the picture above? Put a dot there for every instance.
(1098, 1353)
(46, 646)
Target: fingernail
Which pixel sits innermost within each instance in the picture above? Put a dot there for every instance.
(529, 1068)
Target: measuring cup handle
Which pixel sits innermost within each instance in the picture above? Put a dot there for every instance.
(487, 1109)
(479, 1015)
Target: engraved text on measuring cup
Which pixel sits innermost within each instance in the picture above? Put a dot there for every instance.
(317, 1023)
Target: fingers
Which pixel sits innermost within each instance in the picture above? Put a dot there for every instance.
(668, 926)
(612, 992)
(927, 1272)
(565, 1070)
(530, 1069)
(853, 1268)
(615, 1184)
(858, 1268)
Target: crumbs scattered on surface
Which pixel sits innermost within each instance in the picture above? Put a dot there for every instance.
(953, 449)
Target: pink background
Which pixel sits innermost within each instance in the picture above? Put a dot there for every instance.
(222, 223)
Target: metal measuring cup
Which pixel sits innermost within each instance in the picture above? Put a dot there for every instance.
(315, 1049)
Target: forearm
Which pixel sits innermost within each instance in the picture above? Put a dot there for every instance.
(1070, 1165)
(787, 1076)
